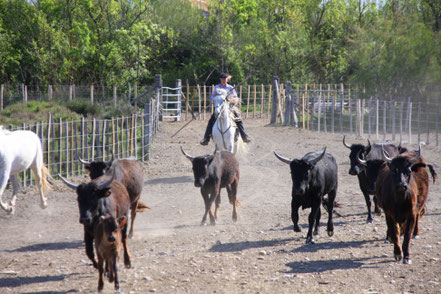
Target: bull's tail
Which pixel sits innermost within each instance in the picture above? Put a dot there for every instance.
(141, 207)
(44, 182)
(432, 172)
(325, 204)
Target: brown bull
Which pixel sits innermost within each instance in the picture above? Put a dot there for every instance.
(402, 189)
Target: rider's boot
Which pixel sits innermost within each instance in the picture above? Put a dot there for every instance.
(208, 131)
(243, 134)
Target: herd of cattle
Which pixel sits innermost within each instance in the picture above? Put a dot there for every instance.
(396, 177)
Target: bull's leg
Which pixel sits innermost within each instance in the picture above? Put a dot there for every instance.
(213, 197)
(312, 217)
(367, 198)
(100, 274)
(317, 222)
(216, 210)
(4, 176)
(377, 207)
(394, 231)
(133, 207)
(330, 208)
(15, 190)
(295, 214)
(88, 242)
(232, 195)
(406, 242)
(127, 261)
(416, 230)
(115, 272)
(205, 196)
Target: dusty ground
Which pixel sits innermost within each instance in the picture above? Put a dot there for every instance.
(41, 251)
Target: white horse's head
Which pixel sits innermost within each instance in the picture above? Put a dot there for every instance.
(219, 101)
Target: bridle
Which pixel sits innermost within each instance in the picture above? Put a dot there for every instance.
(221, 117)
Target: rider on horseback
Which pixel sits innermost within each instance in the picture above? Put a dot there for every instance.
(231, 98)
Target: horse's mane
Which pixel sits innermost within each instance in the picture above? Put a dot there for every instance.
(4, 131)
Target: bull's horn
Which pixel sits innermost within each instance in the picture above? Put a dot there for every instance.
(69, 184)
(361, 161)
(82, 161)
(385, 154)
(318, 158)
(191, 158)
(106, 184)
(344, 143)
(108, 163)
(369, 147)
(284, 159)
(417, 156)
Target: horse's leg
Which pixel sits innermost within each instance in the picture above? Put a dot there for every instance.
(37, 169)
(15, 190)
(4, 176)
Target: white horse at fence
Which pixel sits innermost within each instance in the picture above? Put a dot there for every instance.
(20, 150)
(224, 129)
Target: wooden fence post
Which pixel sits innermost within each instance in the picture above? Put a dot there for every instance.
(319, 108)
(70, 92)
(288, 102)
(205, 100)
(270, 92)
(158, 92)
(187, 97)
(248, 100)
(437, 122)
(401, 120)
(419, 123)
(254, 101)
(275, 102)
(377, 118)
(393, 119)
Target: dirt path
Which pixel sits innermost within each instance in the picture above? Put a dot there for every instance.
(41, 251)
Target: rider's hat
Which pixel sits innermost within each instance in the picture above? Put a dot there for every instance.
(224, 75)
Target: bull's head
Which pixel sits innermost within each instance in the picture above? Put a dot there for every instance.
(373, 168)
(88, 195)
(200, 167)
(301, 170)
(97, 168)
(357, 151)
(110, 227)
(401, 168)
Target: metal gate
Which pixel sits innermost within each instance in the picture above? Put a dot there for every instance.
(171, 103)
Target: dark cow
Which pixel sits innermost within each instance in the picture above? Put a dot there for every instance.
(211, 173)
(89, 195)
(376, 166)
(398, 189)
(368, 152)
(111, 232)
(128, 171)
(108, 245)
(313, 176)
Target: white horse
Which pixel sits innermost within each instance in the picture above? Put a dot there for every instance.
(224, 129)
(19, 151)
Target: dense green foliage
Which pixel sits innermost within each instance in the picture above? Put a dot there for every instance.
(395, 44)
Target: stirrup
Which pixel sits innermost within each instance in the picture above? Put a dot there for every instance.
(204, 142)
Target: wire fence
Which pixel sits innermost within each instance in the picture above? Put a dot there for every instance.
(64, 142)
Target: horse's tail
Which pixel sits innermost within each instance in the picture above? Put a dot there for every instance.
(241, 147)
(44, 182)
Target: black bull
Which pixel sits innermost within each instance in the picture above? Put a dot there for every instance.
(313, 176)
(369, 152)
